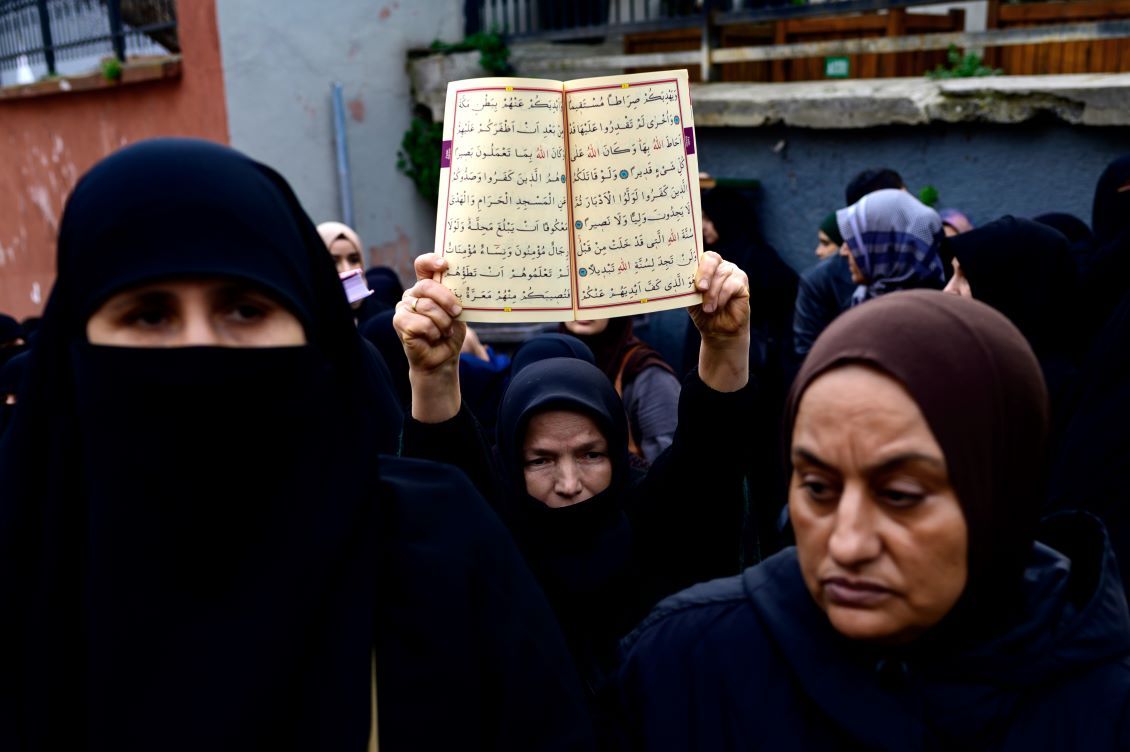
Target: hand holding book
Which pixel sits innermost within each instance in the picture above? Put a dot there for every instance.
(574, 200)
(426, 321)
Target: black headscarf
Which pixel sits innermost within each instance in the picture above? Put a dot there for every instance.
(561, 384)
(1090, 469)
(979, 387)
(549, 345)
(182, 531)
(1074, 229)
(11, 376)
(582, 554)
(381, 334)
(1105, 272)
(1018, 266)
(10, 331)
(773, 283)
(1110, 213)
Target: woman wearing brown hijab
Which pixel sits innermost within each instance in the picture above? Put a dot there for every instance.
(916, 611)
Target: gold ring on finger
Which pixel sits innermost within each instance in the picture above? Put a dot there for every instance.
(415, 302)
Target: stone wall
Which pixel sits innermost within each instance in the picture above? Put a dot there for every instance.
(984, 169)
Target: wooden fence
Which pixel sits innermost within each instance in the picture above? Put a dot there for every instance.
(1069, 36)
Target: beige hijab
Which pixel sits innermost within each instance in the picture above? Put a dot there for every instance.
(331, 231)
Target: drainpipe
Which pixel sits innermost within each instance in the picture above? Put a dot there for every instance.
(345, 191)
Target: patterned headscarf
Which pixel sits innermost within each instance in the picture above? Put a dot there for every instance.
(894, 239)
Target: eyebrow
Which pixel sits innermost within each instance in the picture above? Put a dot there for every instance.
(886, 465)
(586, 447)
(142, 297)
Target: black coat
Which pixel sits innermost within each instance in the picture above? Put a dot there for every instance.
(604, 563)
(824, 292)
(751, 662)
(468, 656)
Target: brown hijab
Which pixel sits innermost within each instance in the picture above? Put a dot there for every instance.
(977, 383)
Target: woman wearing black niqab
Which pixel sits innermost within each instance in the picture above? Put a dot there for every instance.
(1019, 266)
(185, 563)
(1105, 271)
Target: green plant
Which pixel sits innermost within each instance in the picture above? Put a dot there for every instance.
(962, 66)
(112, 69)
(419, 155)
(494, 55)
(929, 195)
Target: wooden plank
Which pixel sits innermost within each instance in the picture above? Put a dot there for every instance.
(1001, 37)
(853, 24)
(896, 27)
(1070, 61)
(870, 46)
(780, 37)
(1013, 15)
(993, 57)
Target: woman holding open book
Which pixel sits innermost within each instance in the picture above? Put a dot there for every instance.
(184, 562)
(604, 544)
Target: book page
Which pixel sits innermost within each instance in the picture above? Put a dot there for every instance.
(636, 217)
(503, 212)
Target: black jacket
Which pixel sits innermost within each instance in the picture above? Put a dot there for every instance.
(751, 663)
(824, 292)
(467, 654)
(606, 562)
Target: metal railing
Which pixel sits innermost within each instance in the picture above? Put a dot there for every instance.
(64, 37)
(559, 20)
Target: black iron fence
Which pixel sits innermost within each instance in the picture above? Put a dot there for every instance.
(64, 37)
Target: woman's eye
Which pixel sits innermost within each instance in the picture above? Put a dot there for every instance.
(819, 490)
(537, 462)
(247, 312)
(147, 318)
(594, 455)
(901, 497)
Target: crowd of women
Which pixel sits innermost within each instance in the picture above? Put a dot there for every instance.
(865, 508)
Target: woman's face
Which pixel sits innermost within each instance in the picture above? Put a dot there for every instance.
(586, 328)
(709, 231)
(565, 458)
(881, 537)
(346, 256)
(856, 275)
(959, 283)
(210, 311)
(825, 246)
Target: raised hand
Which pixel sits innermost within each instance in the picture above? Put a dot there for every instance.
(432, 339)
(723, 321)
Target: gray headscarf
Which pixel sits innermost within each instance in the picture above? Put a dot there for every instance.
(894, 239)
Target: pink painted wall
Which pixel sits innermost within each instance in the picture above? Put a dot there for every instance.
(47, 143)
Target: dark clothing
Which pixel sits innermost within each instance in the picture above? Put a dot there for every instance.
(1017, 266)
(550, 345)
(1105, 274)
(461, 626)
(1089, 471)
(824, 293)
(751, 662)
(199, 548)
(606, 561)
